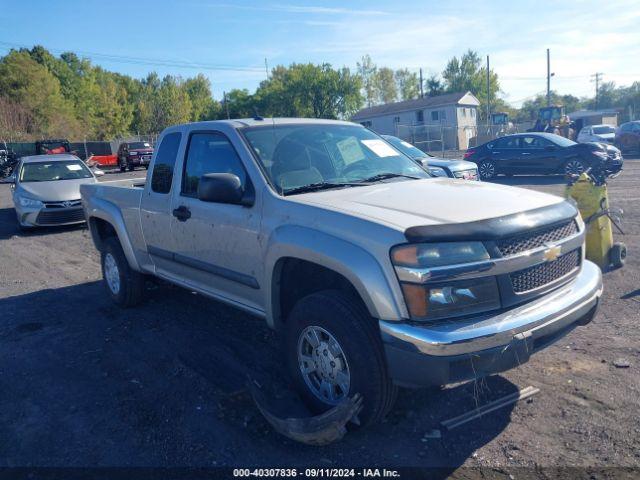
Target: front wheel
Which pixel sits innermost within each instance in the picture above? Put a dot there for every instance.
(124, 285)
(487, 170)
(574, 168)
(333, 351)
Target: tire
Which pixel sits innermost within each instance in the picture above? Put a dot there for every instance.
(487, 170)
(574, 167)
(333, 315)
(618, 255)
(131, 168)
(124, 285)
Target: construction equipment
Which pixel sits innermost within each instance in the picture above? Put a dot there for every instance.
(589, 191)
(553, 119)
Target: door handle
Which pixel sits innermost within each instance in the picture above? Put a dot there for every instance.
(182, 213)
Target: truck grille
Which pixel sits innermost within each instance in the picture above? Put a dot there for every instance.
(56, 216)
(540, 275)
(527, 241)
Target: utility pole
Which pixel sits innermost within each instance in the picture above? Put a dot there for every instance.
(226, 104)
(488, 93)
(266, 67)
(548, 79)
(421, 84)
(596, 77)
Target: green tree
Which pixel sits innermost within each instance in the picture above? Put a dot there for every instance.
(367, 71)
(468, 74)
(434, 86)
(385, 84)
(203, 107)
(407, 83)
(308, 90)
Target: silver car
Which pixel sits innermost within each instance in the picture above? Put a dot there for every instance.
(46, 189)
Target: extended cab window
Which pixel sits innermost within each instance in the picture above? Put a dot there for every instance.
(209, 152)
(165, 162)
(508, 142)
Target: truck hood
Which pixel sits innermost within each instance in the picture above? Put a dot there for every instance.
(405, 204)
(56, 191)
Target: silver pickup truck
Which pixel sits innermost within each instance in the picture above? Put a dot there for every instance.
(376, 274)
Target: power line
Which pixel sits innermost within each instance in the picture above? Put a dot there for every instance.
(149, 61)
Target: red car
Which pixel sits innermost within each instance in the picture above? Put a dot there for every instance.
(628, 137)
(134, 154)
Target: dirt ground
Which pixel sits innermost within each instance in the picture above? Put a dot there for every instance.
(83, 383)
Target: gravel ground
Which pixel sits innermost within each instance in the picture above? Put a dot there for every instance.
(83, 383)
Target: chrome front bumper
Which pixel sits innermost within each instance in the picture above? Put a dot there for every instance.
(543, 317)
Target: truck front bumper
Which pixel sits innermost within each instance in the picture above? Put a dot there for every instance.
(454, 351)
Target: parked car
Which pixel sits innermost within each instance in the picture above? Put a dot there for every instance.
(375, 273)
(597, 133)
(46, 189)
(134, 154)
(438, 167)
(542, 154)
(628, 137)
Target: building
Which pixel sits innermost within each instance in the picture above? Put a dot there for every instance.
(583, 118)
(445, 121)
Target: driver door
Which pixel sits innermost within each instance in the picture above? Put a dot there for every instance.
(216, 245)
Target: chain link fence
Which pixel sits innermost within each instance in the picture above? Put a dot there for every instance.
(450, 142)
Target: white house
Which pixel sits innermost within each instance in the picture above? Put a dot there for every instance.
(454, 114)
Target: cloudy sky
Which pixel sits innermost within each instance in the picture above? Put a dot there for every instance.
(229, 40)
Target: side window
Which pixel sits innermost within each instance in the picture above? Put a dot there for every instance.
(209, 152)
(162, 175)
(508, 142)
(534, 142)
(420, 116)
(434, 116)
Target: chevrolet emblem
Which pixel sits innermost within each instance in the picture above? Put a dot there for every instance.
(552, 253)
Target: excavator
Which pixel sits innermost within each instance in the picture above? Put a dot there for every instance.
(553, 119)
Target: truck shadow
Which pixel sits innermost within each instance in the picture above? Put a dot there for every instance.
(163, 385)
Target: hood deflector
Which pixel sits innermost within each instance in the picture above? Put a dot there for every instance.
(493, 228)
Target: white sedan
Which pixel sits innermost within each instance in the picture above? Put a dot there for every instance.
(597, 133)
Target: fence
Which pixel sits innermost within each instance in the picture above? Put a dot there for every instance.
(84, 148)
(449, 141)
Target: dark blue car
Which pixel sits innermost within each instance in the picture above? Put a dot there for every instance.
(542, 154)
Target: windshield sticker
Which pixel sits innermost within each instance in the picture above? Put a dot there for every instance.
(380, 148)
(74, 167)
(350, 150)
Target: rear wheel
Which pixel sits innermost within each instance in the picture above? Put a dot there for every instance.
(487, 169)
(618, 254)
(333, 351)
(574, 167)
(124, 285)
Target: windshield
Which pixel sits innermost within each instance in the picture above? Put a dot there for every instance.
(603, 129)
(295, 156)
(139, 145)
(406, 147)
(52, 171)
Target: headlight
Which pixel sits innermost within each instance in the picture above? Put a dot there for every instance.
(437, 171)
(29, 202)
(444, 299)
(451, 299)
(438, 254)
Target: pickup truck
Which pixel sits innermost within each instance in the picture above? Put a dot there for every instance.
(375, 273)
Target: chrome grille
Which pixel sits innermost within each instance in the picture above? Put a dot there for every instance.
(527, 241)
(540, 275)
(65, 204)
(59, 216)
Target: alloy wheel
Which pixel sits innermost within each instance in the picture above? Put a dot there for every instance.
(111, 273)
(574, 167)
(323, 365)
(487, 170)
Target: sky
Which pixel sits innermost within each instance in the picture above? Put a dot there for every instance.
(229, 41)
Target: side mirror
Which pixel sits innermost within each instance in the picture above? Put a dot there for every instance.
(222, 188)
(97, 172)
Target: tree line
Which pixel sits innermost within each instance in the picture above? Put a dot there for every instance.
(42, 95)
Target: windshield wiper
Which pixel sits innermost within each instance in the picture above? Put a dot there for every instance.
(385, 176)
(314, 187)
